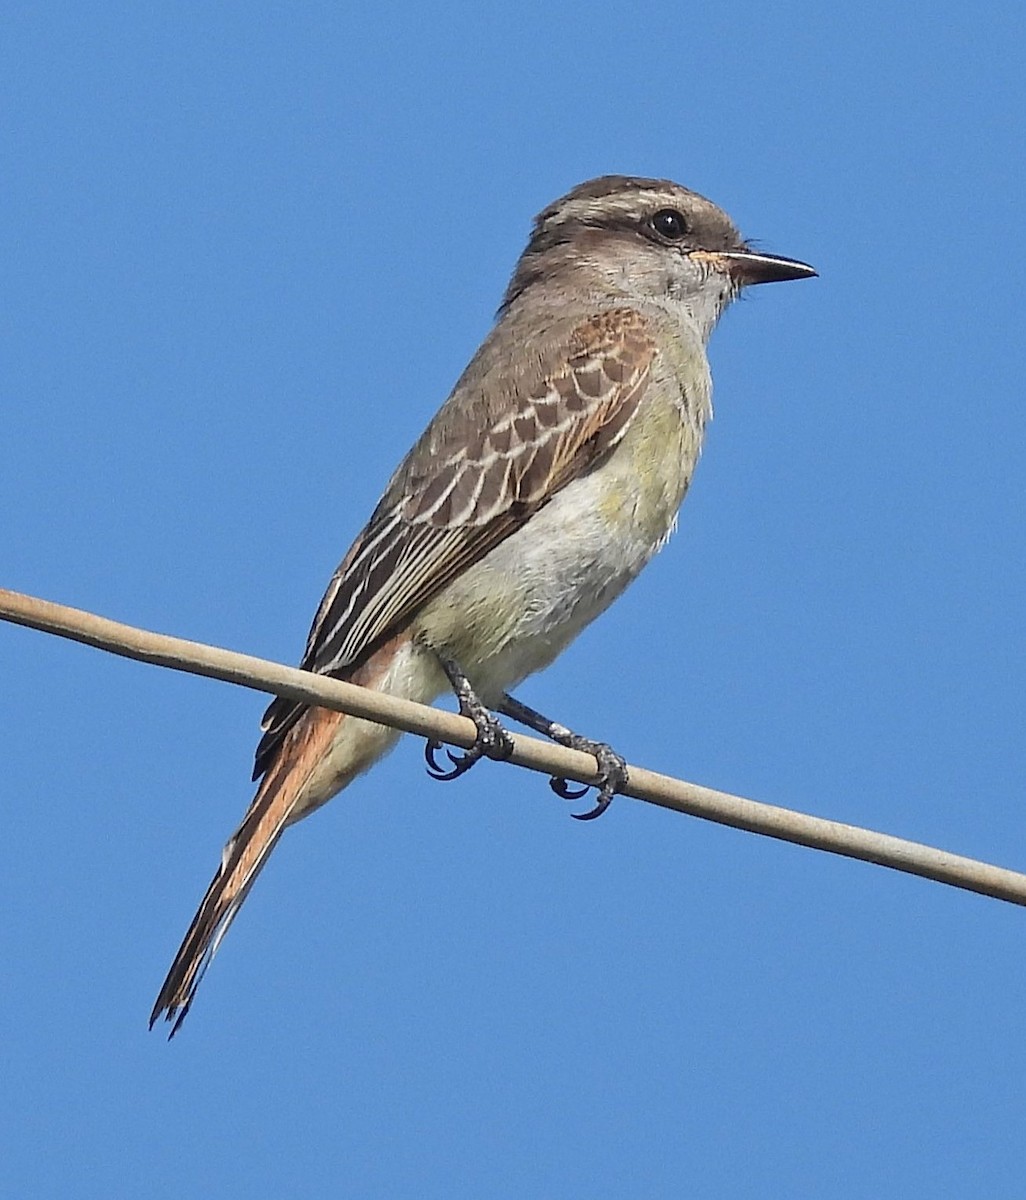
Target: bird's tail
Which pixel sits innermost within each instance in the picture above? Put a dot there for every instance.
(304, 763)
(273, 806)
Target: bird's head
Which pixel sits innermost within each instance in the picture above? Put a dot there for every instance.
(626, 236)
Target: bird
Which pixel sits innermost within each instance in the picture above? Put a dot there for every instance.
(550, 476)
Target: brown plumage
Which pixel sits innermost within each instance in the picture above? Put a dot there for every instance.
(278, 802)
(484, 483)
(540, 489)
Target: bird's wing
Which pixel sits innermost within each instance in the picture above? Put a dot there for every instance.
(474, 477)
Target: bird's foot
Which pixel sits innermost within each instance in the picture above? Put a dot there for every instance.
(492, 740)
(612, 768)
(612, 775)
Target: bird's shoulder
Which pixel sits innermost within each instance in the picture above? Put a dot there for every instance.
(551, 378)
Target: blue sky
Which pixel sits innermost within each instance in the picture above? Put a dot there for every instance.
(246, 251)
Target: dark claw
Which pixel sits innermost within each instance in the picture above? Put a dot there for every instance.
(612, 769)
(612, 775)
(492, 740)
(563, 789)
(604, 801)
(461, 763)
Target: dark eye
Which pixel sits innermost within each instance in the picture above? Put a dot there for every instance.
(670, 224)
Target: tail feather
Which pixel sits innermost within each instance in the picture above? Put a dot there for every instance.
(312, 757)
(241, 862)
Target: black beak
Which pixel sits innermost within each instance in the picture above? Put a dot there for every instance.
(749, 267)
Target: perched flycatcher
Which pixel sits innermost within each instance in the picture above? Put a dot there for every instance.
(540, 489)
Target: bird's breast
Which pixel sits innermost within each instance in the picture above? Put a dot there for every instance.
(511, 613)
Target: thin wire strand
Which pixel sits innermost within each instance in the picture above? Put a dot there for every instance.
(851, 841)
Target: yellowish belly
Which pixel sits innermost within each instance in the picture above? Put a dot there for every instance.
(512, 613)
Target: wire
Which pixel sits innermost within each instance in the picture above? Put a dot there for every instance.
(851, 841)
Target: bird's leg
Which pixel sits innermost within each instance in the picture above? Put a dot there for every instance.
(612, 769)
(492, 740)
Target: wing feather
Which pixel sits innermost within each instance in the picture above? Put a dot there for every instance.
(472, 479)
